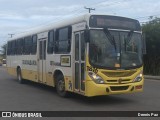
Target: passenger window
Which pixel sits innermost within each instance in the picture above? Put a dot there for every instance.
(28, 45)
(77, 47)
(9, 48)
(34, 44)
(13, 47)
(20, 46)
(50, 45)
(63, 40)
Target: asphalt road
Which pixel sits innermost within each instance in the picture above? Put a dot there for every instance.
(35, 97)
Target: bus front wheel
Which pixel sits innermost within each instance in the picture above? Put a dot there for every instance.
(60, 86)
(19, 76)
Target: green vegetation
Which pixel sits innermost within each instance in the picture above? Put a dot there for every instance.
(3, 51)
(152, 58)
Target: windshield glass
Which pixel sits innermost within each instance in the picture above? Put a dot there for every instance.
(120, 50)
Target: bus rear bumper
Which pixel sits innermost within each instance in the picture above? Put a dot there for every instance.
(94, 89)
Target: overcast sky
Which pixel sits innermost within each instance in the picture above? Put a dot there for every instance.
(17, 16)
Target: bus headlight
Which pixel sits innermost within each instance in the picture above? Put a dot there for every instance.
(138, 78)
(96, 78)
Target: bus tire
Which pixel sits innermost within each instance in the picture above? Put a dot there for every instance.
(60, 86)
(19, 76)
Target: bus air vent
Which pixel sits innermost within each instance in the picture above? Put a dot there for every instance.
(117, 81)
(119, 88)
(119, 74)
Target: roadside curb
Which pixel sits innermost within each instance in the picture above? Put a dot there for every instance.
(152, 77)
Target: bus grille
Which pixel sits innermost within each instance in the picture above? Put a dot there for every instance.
(118, 88)
(119, 74)
(117, 81)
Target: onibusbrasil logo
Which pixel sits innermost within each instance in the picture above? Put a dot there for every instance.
(21, 114)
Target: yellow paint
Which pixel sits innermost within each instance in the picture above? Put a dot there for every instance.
(68, 83)
(50, 80)
(117, 65)
(64, 60)
(93, 89)
(30, 75)
(42, 77)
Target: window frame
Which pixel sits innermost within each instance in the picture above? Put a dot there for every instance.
(51, 42)
(68, 40)
(27, 47)
(34, 45)
(20, 46)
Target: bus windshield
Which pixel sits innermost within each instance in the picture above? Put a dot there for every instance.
(124, 51)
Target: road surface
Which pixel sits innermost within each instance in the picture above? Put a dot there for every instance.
(35, 97)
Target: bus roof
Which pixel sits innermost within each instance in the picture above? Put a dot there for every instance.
(58, 24)
(52, 26)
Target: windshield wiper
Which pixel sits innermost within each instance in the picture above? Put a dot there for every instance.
(128, 39)
(110, 37)
(129, 36)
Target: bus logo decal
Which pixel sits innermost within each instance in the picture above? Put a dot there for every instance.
(70, 85)
(93, 69)
(29, 62)
(66, 60)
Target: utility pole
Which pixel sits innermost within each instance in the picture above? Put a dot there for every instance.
(89, 9)
(11, 35)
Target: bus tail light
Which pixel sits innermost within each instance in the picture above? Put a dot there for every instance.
(139, 87)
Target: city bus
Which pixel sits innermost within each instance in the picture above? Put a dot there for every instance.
(91, 55)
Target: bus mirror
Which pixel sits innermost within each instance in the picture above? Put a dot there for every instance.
(144, 44)
(86, 36)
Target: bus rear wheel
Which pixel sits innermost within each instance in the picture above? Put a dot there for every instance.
(19, 76)
(60, 86)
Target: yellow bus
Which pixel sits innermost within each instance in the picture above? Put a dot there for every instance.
(91, 55)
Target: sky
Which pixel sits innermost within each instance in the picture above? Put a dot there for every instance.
(19, 16)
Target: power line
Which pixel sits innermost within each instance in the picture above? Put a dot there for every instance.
(147, 16)
(59, 18)
(3, 37)
(80, 9)
(112, 3)
(11, 35)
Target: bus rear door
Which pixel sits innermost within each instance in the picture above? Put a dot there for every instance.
(42, 38)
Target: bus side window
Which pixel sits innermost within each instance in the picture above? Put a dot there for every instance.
(27, 45)
(13, 47)
(19, 46)
(9, 48)
(50, 46)
(63, 40)
(34, 45)
(82, 47)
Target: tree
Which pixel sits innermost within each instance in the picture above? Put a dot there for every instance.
(152, 58)
(3, 50)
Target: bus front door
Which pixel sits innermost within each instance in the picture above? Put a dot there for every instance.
(42, 61)
(79, 62)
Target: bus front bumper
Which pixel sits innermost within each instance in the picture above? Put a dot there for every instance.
(94, 89)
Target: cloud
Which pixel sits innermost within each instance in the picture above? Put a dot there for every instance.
(130, 8)
(53, 10)
(19, 15)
